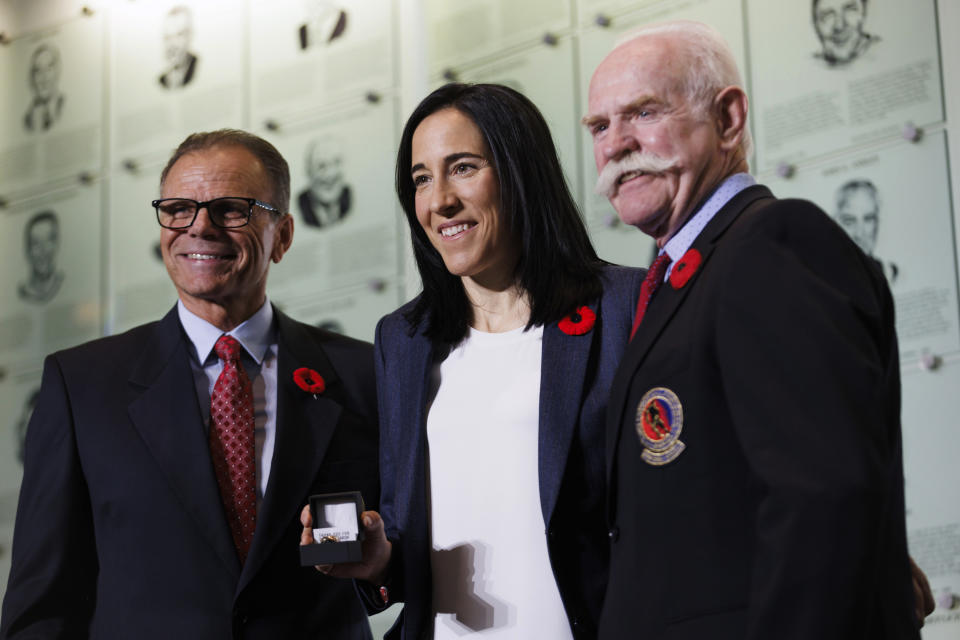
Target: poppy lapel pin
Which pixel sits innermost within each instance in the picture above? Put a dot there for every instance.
(685, 268)
(309, 380)
(579, 322)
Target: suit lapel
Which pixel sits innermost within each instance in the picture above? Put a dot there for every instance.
(562, 373)
(410, 395)
(663, 306)
(167, 417)
(304, 426)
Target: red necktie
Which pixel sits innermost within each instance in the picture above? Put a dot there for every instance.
(232, 444)
(653, 280)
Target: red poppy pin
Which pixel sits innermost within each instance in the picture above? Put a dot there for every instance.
(579, 322)
(309, 380)
(685, 268)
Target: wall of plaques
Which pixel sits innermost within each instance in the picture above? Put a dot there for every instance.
(858, 116)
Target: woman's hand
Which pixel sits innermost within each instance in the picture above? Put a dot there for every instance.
(376, 550)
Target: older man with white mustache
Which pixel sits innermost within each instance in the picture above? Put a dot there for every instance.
(753, 431)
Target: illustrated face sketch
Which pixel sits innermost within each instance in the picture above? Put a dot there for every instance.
(177, 38)
(324, 22)
(41, 245)
(323, 169)
(47, 103)
(43, 240)
(839, 26)
(328, 198)
(858, 212)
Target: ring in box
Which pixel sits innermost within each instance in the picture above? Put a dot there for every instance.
(336, 529)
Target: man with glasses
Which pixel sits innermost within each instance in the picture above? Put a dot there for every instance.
(165, 468)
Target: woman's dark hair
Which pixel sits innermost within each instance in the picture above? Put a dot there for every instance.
(558, 268)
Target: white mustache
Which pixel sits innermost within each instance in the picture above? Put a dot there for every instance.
(607, 181)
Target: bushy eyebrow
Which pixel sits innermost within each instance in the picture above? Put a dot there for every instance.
(590, 119)
(450, 159)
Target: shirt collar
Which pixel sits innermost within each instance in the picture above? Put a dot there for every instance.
(255, 334)
(679, 244)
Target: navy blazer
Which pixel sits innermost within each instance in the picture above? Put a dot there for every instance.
(776, 367)
(576, 374)
(120, 529)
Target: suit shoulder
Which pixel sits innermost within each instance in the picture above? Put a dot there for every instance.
(621, 286)
(617, 278)
(796, 239)
(790, 216)
(108, 347)
(395, 322)
(331, 340)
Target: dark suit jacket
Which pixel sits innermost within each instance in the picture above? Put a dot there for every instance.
(576, 373)
(783, 517)
(120, 530)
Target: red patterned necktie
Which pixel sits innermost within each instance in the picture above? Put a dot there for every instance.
(653, 280)
(232, 444)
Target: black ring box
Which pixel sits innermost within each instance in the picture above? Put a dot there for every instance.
(334, 552)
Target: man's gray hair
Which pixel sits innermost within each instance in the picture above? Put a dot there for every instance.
(710, 64)
(273, 163)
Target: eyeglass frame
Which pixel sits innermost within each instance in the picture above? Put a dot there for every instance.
(204, 204)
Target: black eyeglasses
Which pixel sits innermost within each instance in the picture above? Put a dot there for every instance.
(228, 213)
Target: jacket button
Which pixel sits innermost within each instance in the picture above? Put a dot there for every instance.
(552, 533)
(614, 533)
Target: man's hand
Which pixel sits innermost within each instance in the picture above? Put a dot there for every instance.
(376, 550)
(923, 601)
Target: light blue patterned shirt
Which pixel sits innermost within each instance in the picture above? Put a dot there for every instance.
(681, 243)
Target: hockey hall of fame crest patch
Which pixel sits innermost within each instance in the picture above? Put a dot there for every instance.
(659, 423)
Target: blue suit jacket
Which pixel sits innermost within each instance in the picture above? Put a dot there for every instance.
(120, 529)
(576, 374)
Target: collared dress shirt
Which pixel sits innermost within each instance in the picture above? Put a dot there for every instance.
(258, 336)
(680, 243)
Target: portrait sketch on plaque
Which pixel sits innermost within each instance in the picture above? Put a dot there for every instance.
(51, 108)
(175, 69)
(46, 104)
(857, 210)
(177, 42)
(310, 54)
(41, 245)
(840, 26)
(324, 22)
(894, 203)
(327, 198)
(830, 75)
